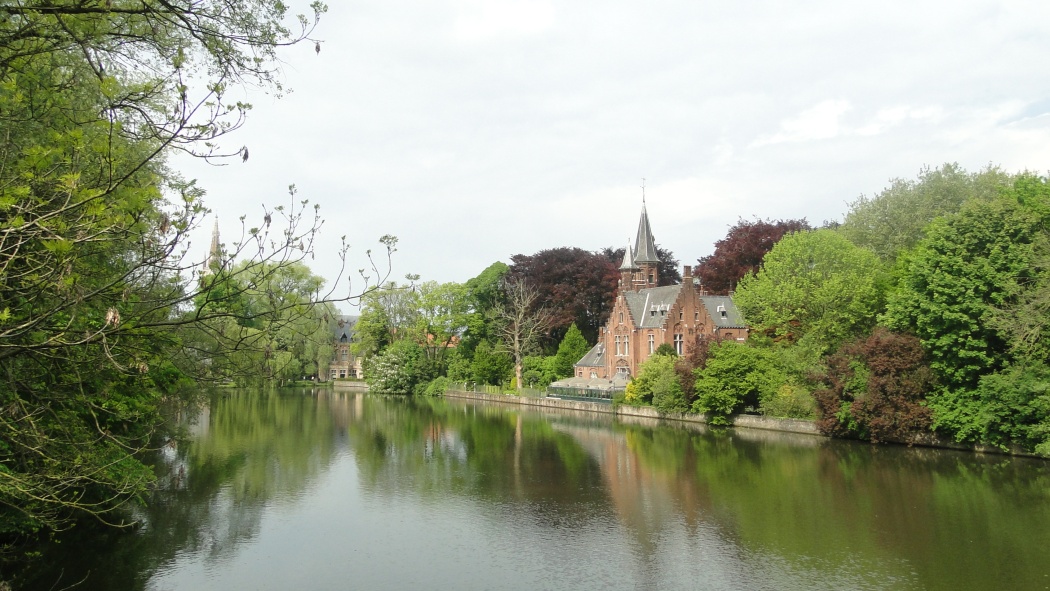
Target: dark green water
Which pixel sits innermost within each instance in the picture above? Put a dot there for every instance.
(347, 491)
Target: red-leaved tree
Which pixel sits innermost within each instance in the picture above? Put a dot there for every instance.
(573, 284)
(874, 389)
(741, 251)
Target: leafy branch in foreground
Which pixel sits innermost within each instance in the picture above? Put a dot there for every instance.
(102, 313)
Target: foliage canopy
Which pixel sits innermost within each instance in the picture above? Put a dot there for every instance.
(813, 283)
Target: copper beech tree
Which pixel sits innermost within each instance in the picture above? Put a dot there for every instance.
(742, 251)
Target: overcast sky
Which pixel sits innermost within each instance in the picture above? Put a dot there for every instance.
(474, 130)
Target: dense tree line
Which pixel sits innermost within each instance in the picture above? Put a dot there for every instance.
(523, 325)
(495, 329)
(926, 309)
(102, 315)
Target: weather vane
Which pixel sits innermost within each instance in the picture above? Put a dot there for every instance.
(643, 190)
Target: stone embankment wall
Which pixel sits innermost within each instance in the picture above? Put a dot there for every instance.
(748, 421)
(350, 385)
(745, 421)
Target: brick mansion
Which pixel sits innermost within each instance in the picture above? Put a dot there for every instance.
(646, 315)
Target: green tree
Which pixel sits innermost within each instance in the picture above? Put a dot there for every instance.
(100, 314)
(895, 220)
(972, 292)
(443, 311)
(1011, 407)
(388, 313)
(571, 349)
(814, 284)
(538, 371)
(485, 293)
(490, 365)
(736, 376)
(968, 265)
(401, 368)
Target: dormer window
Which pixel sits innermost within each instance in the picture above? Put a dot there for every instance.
(722, 311)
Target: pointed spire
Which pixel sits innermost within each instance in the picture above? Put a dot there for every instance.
(645, 247)
(213, 251)
(628, 258)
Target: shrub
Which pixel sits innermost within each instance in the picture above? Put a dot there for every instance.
(667, 392)
(538, 371)
(790, 401)
(1011, 407)
(402, 368)
(736, 376)
(875, 388)
(695, 358)
(642, 388)
(437, 386)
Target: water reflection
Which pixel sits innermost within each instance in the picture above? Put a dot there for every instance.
(392, 493)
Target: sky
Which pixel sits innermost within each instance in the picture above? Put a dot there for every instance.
(474, 130)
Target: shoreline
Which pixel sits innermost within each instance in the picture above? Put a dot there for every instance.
(759, 422)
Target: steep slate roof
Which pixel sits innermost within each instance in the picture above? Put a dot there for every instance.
(344, 328)
(594, 358)
(644, 246)
(716, 305)
(649, 307)
(628, 259)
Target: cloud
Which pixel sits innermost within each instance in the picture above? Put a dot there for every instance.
(819, 122)
(516, 125)
(487, 20)
(898, 115)
(825, 121)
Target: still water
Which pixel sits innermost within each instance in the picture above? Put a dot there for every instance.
(322, 490)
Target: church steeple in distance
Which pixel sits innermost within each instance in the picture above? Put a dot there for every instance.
(214, 250)
(645, 257)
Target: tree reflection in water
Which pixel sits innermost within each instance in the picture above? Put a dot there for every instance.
(570, 497)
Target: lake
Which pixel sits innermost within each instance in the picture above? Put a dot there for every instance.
(329, 490)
